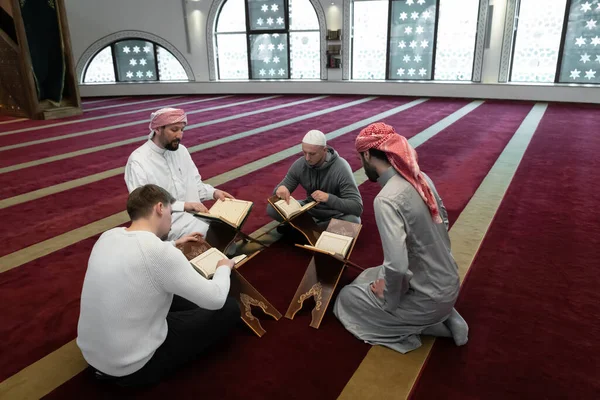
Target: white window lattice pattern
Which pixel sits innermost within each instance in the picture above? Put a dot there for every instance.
(537, 44)
(303, 16)
(232, 52)
(232, 47)
(369, 39)
(232, 17)
(455, 47)
(101, 68)
(169, 68)
(305, 55)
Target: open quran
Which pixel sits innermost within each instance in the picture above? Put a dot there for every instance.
(332, 243)
(294, 208)
(230, 211)
(206, 263)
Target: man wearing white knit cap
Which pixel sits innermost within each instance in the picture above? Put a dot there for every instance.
(327, 178)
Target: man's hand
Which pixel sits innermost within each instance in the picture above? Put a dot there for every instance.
(227, 262)
(320, 196)
(192, 237)
(194, 207)
(378, 287)
(221, 195)
(283, 193)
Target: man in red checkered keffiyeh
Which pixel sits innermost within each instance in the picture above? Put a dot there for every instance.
(413, 291)
(402, 156)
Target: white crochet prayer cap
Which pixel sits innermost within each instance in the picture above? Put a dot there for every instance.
(315, 137)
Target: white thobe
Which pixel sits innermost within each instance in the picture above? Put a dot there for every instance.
(175, 172)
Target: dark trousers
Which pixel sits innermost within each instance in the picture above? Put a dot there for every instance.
(191, 331)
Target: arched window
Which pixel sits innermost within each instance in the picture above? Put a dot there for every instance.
(278, 39)
(134, 60)
(551, 49)
(414, 39)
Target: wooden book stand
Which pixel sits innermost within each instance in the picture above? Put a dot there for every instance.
(245, 294)
(323, 274)
(303, 223)
(221, 234)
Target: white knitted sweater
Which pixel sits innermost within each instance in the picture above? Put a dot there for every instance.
(127, 293)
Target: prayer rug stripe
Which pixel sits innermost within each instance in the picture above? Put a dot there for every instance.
(32, 124)
(408, 117)
(531, 297)
(10, 121)
(28, 123)
(87, 117)
(118, 127)
(74, 213)
(119, 103)
(79, 164)
(85, 102)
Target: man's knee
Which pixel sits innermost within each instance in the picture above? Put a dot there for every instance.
(273, 213)
(351, 218)
(231, 309)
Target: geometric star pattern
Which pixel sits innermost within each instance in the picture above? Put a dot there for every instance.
(411, 40)
(582, 44)
(135, 61)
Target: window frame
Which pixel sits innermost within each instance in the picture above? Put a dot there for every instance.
(113, 51)
(434, 45)
(561, 48)
(285, 30)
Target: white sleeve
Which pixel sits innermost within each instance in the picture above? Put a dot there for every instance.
(135, 176)
(205, 191)
(174, 274)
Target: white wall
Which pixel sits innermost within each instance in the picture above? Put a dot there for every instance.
(91, 20)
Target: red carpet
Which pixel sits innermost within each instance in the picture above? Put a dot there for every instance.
(330, 354)
(532, 297)
(74, 270)
(39, 301)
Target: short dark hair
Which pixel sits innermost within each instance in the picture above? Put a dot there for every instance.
(378, 154)
(144, 198)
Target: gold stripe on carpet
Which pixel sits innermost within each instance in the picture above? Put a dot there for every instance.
(43, 376)
(99, 117)
(12, 120)
(386, 374)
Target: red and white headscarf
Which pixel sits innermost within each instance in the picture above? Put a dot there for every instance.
(403, 158)
(166, 116)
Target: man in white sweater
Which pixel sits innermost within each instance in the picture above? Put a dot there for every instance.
(135, 324)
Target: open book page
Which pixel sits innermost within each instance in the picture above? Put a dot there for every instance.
(231, 210)
(206, 262)
(335, 243)
(289, 210)
(239, 258)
